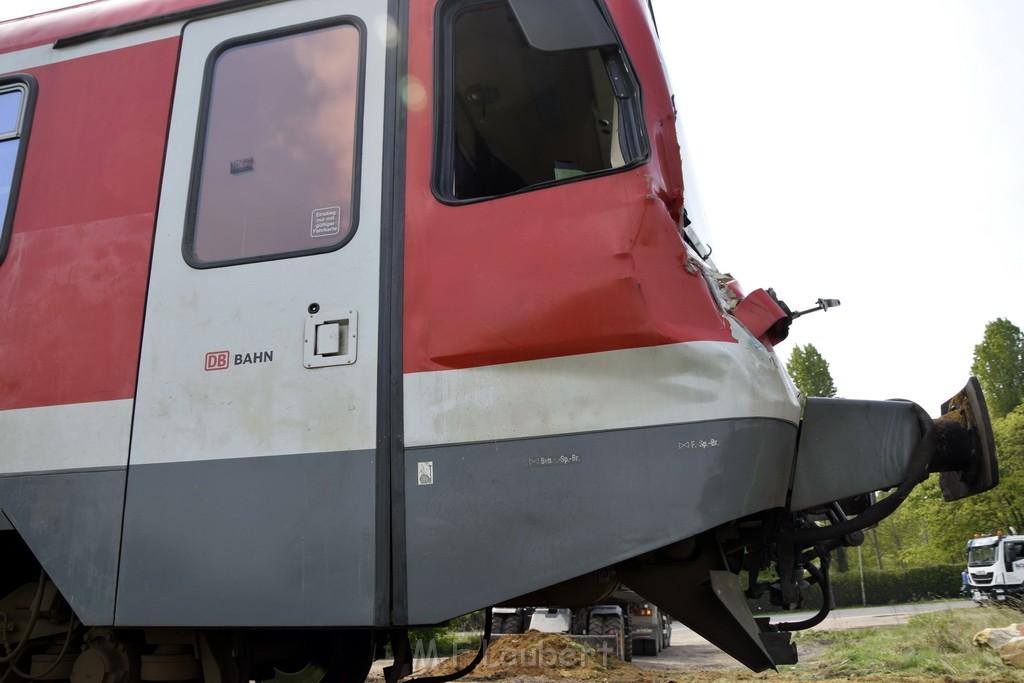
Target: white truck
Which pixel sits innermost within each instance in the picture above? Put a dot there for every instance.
(995, 568)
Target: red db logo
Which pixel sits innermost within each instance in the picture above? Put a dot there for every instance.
(217, 360)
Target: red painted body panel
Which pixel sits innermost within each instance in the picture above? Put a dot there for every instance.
(760, 313)
(611, 272)
(45, 28)
(74, 280)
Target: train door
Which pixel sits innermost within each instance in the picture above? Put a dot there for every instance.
(252, 476)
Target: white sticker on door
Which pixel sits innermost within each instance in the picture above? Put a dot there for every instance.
(325, 222)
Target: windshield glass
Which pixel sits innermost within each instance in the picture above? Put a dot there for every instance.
(981, 556)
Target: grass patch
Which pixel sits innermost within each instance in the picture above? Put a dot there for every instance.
(440, 642)
(937, 645)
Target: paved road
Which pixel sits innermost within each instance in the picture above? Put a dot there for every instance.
(690, 652)
(840, 620)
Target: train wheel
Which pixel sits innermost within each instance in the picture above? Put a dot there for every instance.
(342, 658)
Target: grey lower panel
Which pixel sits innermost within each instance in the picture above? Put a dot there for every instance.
(72, 523)
(502, 519)
(270, 541)
(849, 447)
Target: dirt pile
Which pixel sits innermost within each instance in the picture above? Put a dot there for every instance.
(552, 656)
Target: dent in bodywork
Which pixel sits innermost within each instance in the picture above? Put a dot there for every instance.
(618, 280)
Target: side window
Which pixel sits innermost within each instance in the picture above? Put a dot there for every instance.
(528, 98)
(16, 98)
(277, 150)
(1013, 551)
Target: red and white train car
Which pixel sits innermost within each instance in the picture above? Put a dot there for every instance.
(320, 319)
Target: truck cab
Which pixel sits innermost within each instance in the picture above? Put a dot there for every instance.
(995, 568)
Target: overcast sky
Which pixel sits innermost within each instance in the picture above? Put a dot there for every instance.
(870, 151)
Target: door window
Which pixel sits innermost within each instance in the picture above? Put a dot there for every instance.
(278, 148)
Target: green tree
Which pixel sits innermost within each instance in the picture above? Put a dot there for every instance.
(1007, 499)
(811, 375)
(999, 366)
(810, 372)
(927, 530)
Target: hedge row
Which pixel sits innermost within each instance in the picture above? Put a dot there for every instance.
(886, 587)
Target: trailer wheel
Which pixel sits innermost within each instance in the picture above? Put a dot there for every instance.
(613, 625)
(595, 625)
(513, 623)
(497, 623)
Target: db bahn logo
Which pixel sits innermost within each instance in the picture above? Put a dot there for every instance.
(222, 360)
(218, 360)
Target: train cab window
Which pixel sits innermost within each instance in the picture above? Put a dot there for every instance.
(15, 105)
(277, 148)
(532, 93)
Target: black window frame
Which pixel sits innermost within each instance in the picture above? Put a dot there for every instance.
(447, 13)
(202, 126)
(28, 85)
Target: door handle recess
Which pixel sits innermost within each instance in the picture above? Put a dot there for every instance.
(330, 339)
